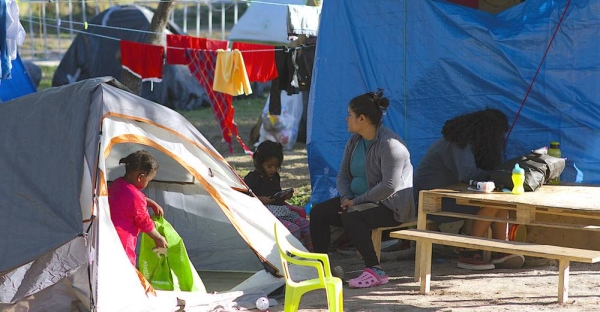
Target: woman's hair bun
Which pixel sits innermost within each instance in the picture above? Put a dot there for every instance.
(381, 102)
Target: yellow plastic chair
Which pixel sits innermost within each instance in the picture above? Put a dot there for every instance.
(294, 290)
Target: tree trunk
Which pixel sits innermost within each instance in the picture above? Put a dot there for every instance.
(157, 26)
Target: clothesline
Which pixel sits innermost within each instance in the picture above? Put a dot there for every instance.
(207, 2)
(151, 32)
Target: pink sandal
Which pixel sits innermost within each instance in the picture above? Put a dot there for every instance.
(367, 279)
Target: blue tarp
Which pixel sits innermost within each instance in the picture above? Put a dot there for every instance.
(436, 60)
(20, 84)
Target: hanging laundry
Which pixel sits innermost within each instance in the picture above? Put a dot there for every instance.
(15, 33)
(5, 63)
(202, 65)
(305, 63)
(295, 72)
(230, 74)
(260, 65)
(303, 19)
(214, 44)
(201, 56)
(259, 61)
(143, 60)
(286, 67)
(177, 46)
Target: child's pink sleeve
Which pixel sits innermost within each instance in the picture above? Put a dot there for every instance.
(142, 218)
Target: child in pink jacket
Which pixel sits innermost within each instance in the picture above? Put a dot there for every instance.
(129, 206)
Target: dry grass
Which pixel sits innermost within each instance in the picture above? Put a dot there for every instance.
(294, 172)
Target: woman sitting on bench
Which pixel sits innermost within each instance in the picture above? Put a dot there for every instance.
(470, 148)
(374, 185)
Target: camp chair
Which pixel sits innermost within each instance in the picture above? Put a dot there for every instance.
(294, 290)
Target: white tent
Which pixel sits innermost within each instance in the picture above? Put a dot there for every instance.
(264, 22)
(61, 251)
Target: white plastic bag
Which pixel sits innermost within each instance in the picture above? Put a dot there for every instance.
(282, 128)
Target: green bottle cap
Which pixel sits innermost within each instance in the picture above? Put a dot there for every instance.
(518, 170)
(554, 144)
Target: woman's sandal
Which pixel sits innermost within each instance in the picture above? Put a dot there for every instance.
(367, 279)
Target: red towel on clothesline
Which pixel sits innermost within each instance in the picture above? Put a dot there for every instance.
(214, 45)
(260, 63)
(143, 60)
(178, 44)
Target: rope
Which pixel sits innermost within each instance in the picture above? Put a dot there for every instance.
(206, 2)
(404, 80)
(142, 31)
(537, 71)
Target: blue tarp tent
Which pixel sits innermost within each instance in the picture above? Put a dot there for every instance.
(436, 60)
(20, 84)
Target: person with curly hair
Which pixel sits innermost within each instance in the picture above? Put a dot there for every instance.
(374, 185)
(471, 147)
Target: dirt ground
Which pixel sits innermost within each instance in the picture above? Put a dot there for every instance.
(531, 288)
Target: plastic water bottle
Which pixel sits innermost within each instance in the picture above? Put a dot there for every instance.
(518, 178)
(554, 151)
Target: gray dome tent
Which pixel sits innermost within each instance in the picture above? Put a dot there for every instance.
(61, 147)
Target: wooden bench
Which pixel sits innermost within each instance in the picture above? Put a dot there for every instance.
(377, 233)
(563, 254)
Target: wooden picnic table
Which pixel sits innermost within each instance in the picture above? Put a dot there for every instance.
(559, 200)
(552, 206)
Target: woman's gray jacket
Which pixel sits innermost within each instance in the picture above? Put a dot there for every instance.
(389, 174)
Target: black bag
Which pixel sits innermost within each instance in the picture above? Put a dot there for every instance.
(539, 168)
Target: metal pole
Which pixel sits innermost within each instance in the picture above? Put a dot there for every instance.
(58, 27)
(185, 18)
(71, 20)
(83, 11)
(198, 19)
(222, 21)
(210, 20)
(31, 35)
(45, 32)
(235, 13)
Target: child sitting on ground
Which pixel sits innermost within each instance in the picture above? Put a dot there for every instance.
(265, 182)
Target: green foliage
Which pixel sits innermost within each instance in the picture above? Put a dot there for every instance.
(47, 74)
(301, 195)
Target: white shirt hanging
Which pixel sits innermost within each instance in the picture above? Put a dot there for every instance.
(15, 33)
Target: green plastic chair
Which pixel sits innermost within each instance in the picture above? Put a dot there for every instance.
(294, 290)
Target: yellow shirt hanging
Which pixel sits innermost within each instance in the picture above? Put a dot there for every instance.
(230, 73)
